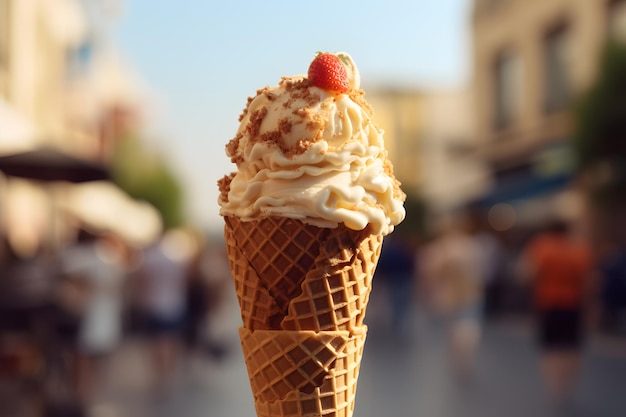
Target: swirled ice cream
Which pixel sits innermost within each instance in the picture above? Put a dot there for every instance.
(312, 154)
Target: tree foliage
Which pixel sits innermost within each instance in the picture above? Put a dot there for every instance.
(600, 118)
(600, 126)
(146, 176)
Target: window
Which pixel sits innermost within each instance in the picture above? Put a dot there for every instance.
(556, 64)
(617, 20)
(507, 87)
(78, 59)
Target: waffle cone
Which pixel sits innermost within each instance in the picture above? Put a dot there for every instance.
(302, 373)
(293, 276)
(258, 308)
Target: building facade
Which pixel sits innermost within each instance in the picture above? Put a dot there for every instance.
(429, 135)
(454, 175)
(62, 86)
(532, 58)
(37, 40)
(399, 112)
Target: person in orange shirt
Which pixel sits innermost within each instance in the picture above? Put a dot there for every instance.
(561, 268)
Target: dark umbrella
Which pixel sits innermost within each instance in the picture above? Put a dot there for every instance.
(48, 164)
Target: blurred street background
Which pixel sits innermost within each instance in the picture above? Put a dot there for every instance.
(503, 293)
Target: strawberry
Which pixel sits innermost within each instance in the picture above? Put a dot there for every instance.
(329, 73)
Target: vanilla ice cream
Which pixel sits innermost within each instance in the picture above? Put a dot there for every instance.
(314, 155)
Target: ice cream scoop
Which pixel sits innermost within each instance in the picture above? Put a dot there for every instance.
(312, 154)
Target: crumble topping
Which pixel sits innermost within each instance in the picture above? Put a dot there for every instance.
(223, 186)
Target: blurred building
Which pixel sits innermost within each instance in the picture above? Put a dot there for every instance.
(59, 71)
(37, 41)
(531, 60)
(454, 175)
(430, 138)
(399, 112)
(62, 86)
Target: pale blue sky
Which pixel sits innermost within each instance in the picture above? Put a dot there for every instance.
(204, 58)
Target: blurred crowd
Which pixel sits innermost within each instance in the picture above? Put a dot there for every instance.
(466, 274)
(64, 314)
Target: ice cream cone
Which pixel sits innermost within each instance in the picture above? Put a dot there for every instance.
(258, 308)
(303, 373)
(336, 291)
(293, 276)
(305, 213)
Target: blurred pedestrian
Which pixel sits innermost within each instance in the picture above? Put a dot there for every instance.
(94, 271)
(396, 269)
(454, 274)
(197, 299)
(612, 270)
(491, 258)
(560, 267)
(27, 336)
(162, 282)
(222, 307)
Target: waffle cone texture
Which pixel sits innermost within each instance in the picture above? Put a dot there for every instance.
(293, 276)
(303, 373)
(303, 293)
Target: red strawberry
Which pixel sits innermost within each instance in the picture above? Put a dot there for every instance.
(328, 72)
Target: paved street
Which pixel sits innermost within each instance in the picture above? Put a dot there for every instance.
(411, 379)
